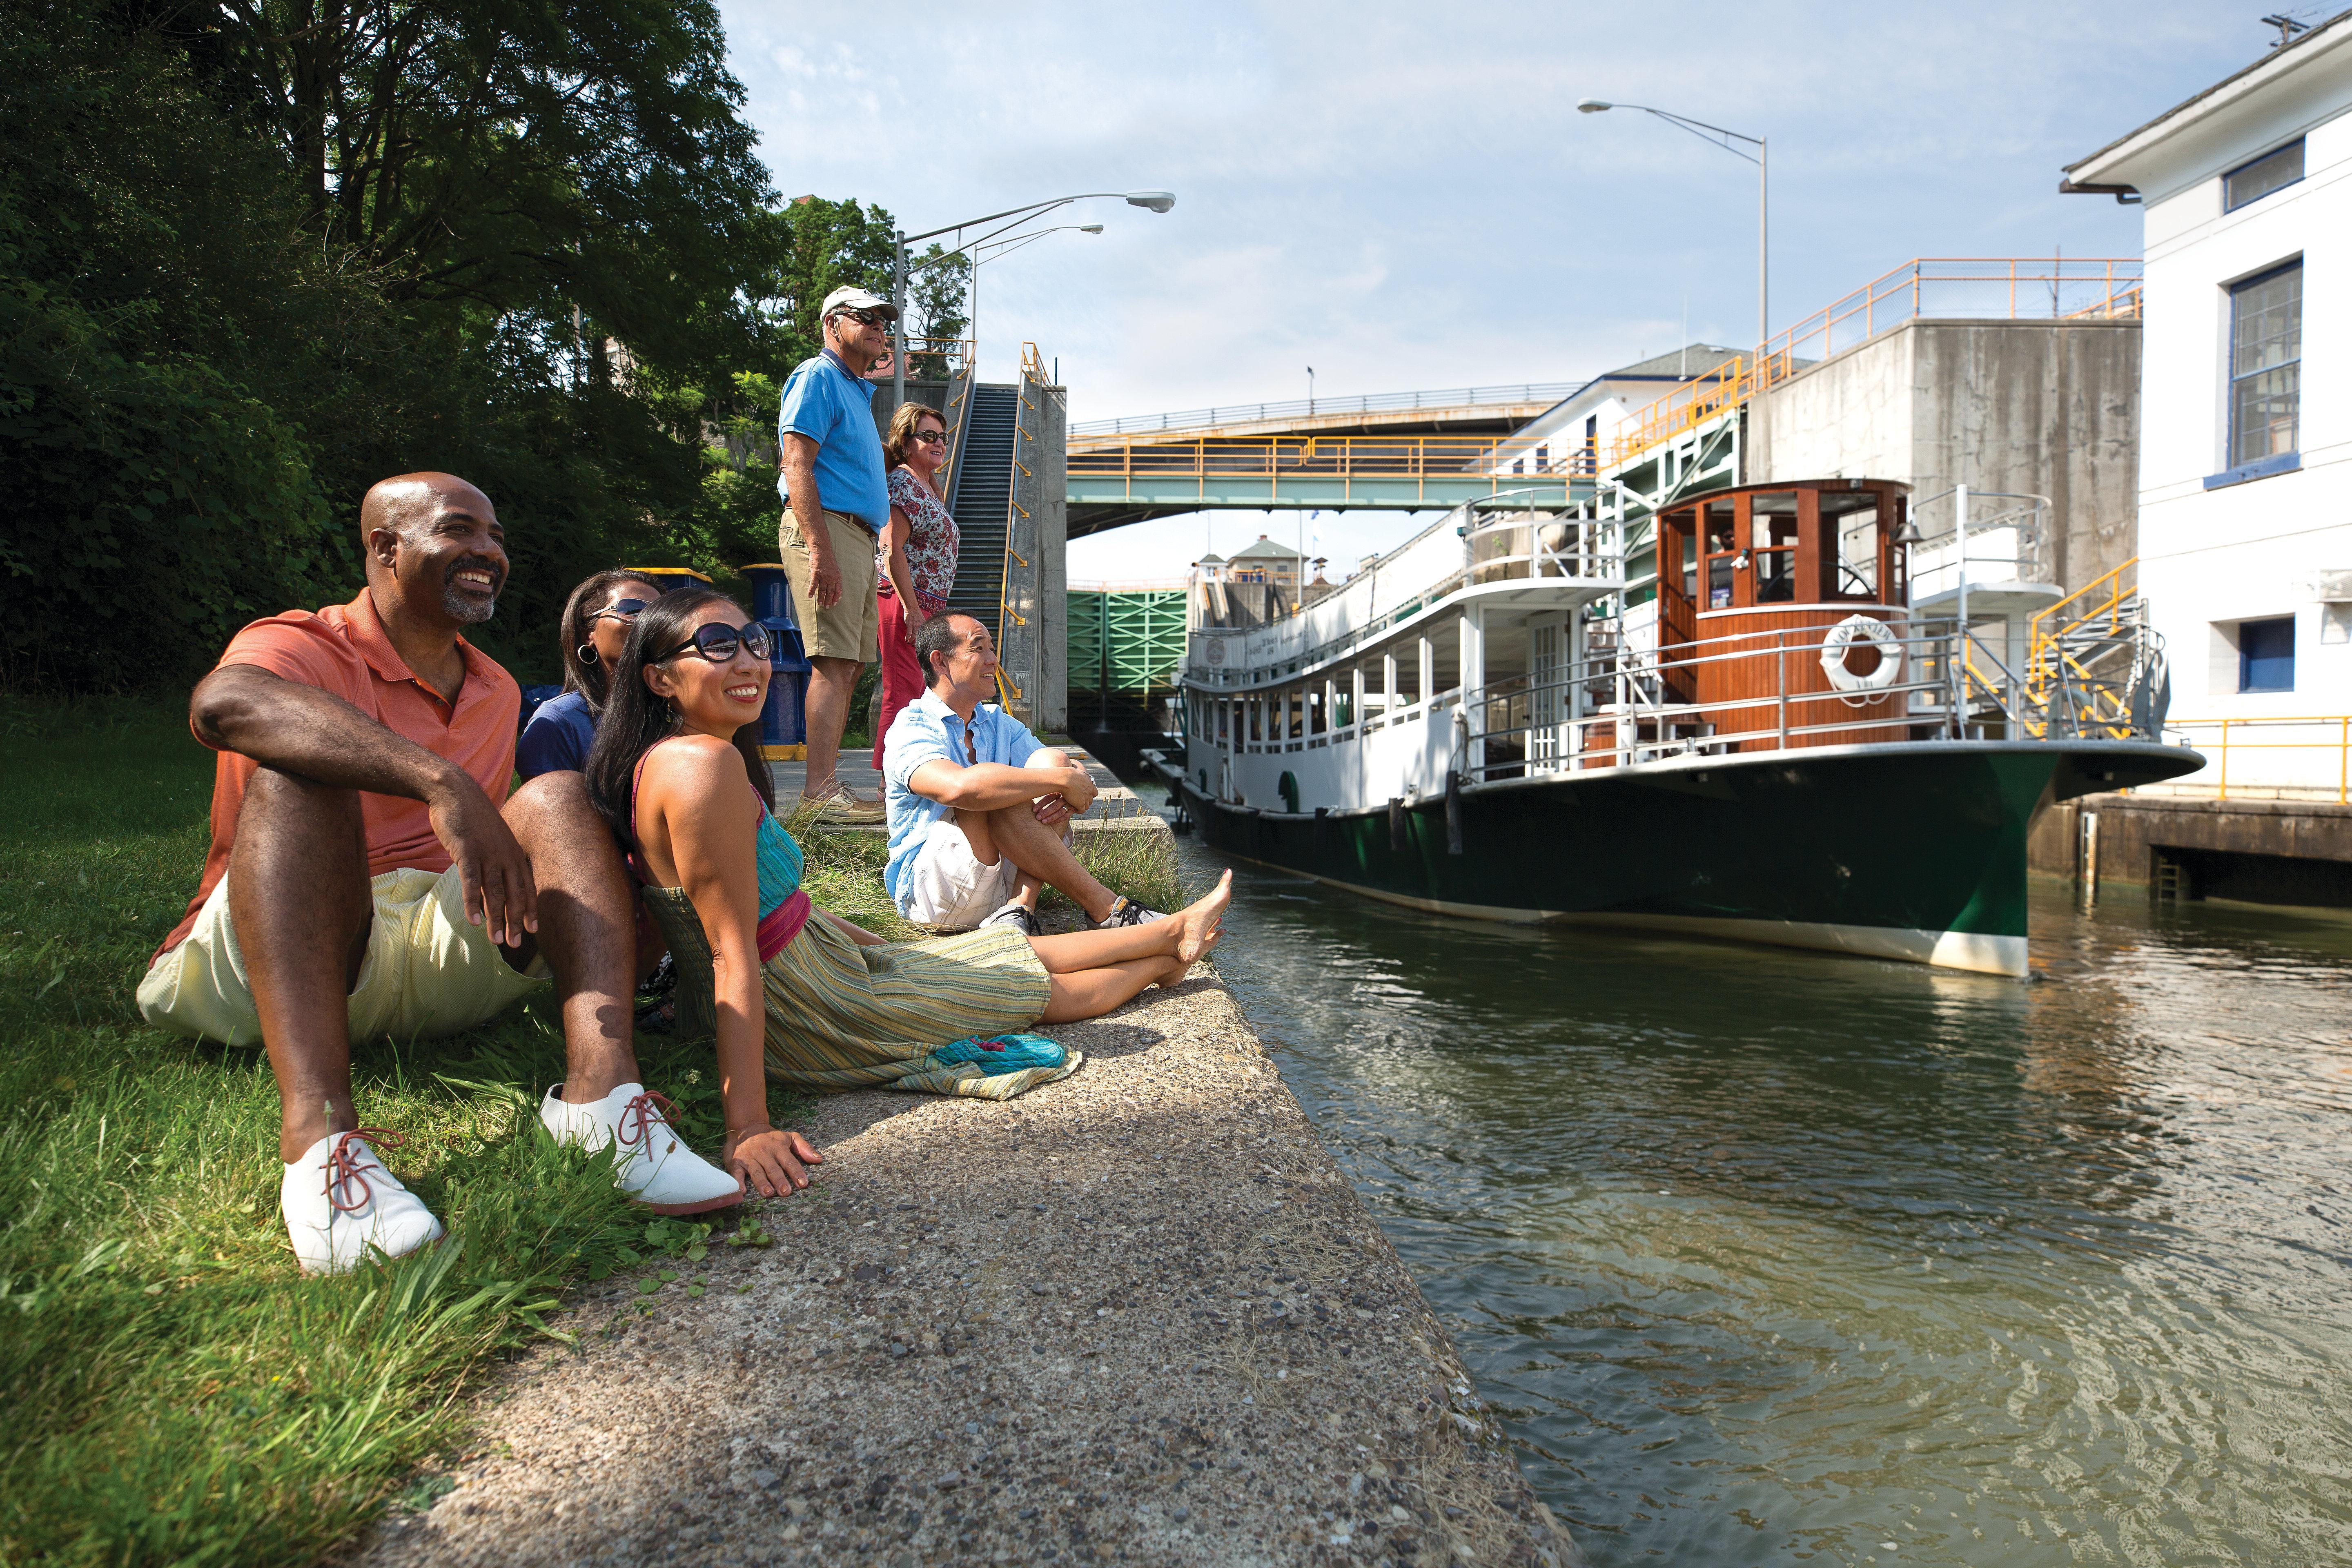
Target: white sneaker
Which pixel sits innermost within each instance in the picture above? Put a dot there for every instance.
(339, 1204)
(656, 1168)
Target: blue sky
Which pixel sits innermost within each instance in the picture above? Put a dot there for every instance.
(1405, 197)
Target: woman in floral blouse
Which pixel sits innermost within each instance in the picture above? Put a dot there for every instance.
(917, 560)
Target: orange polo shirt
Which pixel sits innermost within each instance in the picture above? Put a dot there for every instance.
(343, 649)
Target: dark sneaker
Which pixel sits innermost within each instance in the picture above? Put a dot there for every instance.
(1128, 912)
(1020, 917)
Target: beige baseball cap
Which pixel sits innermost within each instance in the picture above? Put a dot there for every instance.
(848, 297)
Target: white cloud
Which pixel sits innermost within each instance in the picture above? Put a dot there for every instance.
(1404, 197)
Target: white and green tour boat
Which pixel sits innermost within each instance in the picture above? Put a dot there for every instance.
(1776, 747)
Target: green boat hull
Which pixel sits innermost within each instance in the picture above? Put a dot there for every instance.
(1910, 850)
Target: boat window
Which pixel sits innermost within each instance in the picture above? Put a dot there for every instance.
(1773, 536)
(1690, 566)
(1850, 531)
(1718, 583)
(1721, 535)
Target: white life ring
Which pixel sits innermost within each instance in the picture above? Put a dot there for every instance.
(1862, 630)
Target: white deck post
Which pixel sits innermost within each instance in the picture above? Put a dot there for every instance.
(1356, 701)
(1474, 680)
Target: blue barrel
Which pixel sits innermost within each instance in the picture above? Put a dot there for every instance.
(783, 723)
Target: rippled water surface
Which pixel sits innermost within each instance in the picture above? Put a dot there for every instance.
(1770, 1257)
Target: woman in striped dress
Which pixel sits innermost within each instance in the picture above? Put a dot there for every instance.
(788, 989)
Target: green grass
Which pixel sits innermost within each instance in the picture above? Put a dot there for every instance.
(175, 1391)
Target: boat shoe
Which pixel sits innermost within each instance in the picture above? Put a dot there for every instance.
(654, 1165)
(341, 1203)
(839, 803)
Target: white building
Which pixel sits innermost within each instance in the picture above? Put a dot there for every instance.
(2245, 486)
(1583, 427)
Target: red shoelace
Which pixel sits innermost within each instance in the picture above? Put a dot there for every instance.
(345, 1173)
(645, 1113)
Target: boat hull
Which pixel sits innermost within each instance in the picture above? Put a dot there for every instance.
(1912, 851)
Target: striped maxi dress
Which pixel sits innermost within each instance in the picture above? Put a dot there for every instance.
(842, 1015)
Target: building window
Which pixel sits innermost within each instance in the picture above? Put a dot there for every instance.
(2266, 655)
(2265, 364)
(2252, 182)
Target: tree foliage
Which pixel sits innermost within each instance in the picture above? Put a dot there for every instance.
(257, 254)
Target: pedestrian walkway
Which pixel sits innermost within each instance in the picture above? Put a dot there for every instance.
(1117, 803)
(1137, 1315)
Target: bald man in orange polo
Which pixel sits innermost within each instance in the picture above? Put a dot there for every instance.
(371, 877)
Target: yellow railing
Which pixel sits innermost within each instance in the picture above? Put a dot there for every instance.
(2109, 597)
(1249, 456)
(1965, 288)
(2234, 734)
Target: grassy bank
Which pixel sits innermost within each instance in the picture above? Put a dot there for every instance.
(176, 1392)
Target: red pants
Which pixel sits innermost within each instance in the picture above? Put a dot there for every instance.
(902, 677)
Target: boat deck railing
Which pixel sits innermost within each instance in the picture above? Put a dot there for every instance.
(1491, 542)
(1616, 710)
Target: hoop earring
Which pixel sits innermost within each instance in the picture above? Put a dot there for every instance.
(587, 653)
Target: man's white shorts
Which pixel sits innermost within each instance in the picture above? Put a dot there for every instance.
(428, 970)
(948, 886)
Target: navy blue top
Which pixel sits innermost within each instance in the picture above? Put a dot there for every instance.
(557, 737)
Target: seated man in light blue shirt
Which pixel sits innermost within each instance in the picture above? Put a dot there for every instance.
(978, 809)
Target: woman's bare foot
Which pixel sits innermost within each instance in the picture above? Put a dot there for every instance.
(1198, 930)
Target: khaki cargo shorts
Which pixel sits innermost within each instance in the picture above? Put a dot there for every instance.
(429, 970)
(853, 627)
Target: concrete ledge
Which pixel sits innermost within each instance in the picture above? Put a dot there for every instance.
(1139, 1314)
(2131, 827)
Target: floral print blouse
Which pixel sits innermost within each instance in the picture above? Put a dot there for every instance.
(932, 541)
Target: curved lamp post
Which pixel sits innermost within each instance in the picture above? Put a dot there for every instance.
(1150, 201)
(1716, 135)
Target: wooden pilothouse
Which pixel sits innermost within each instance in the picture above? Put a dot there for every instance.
(1786, 620)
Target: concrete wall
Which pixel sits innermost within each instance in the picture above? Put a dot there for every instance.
(1037, 655)
(2258, 841)
(2037, 407)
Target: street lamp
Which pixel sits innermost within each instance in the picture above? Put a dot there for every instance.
(997, 249)
(1717, 136)
(1150, 201)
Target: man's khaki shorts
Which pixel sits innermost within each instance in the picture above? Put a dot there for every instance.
(948, 886)
(853, 627)
(428, 970)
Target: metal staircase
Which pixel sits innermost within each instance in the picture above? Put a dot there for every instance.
(2093, 667)
(982, 501)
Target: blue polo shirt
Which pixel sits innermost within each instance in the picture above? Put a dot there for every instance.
(925, 730)
(557, 737)
(835, 409)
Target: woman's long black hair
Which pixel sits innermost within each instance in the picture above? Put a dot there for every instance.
(635, 720)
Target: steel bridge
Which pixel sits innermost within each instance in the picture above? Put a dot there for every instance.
(1125, 480)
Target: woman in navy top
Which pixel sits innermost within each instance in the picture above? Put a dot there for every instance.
(596, 624)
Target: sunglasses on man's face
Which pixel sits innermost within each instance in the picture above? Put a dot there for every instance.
(623, 609)
(869, 318)
(719, 643)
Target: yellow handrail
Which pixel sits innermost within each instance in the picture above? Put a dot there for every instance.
(2040, 636)
(1903, 295)
(2341, 745)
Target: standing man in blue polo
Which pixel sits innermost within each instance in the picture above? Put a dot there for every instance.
(836, 500)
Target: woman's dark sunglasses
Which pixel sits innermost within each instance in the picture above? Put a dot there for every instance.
(718, 644)
(932, 437)
(623, 609)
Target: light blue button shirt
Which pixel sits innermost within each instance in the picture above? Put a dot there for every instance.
(835, 409)
(926, 731)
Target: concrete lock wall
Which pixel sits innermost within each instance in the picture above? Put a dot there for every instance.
(1037, 655)
(2254, 851)
(2034, 407)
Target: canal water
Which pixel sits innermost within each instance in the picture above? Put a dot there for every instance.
(1770, 1256)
